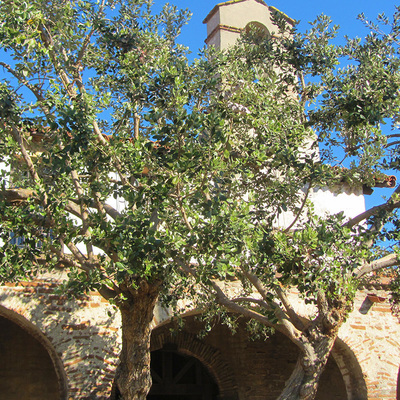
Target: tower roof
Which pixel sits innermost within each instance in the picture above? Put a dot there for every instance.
(225, 3)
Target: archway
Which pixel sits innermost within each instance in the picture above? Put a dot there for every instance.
(258, 30)
(350, 370)
(244, 367)
(27, 370)
(188, 344)
(177, 376)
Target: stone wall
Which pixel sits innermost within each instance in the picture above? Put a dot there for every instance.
(82, 340)
(81, 336)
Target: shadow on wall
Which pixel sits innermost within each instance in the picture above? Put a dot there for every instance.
(351, 371)
(79, 336)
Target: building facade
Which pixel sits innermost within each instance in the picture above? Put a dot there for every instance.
(55, 348)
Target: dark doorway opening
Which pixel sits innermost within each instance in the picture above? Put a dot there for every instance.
(177, 376)
(26, 369)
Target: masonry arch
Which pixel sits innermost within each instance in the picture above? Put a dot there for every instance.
(259, 30)
(178, 376)
(235, 360)
(29, 365)
(187, 343)
(351, 371)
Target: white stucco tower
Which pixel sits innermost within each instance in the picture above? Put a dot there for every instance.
(226, 20)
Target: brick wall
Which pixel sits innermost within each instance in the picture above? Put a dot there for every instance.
(245, 369)
(373, 334)
(83, 341)
(81, 336)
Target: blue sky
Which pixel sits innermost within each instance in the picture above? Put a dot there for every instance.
(343, 13)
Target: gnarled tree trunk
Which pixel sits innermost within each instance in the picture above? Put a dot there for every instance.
(315, 344)
(133, 379)
(303, 383)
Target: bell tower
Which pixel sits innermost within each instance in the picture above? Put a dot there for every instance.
(227, 20)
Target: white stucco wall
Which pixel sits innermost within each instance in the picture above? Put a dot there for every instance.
(330, 201)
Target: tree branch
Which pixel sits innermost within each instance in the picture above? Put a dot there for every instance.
(86, 42)
(73, 208)
(390, 205)
(354, 148)
(260, 302)
(83, 262)
(293, 316)
(65, 259)
(255, 281)
(300, 211)
(395, 143)
(66, 82)
(390, 260)
(17, 195)
(284, 326)
(28, 85)
(83, 210)
(280, 314)
(107, 292)
(28, 161)
(183, 211)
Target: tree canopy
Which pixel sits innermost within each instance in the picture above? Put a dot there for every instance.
(143, 174)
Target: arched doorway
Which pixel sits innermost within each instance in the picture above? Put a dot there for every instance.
(178, 376)
(26, 369)
(242, 366)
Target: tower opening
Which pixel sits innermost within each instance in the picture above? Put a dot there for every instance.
(258, 31)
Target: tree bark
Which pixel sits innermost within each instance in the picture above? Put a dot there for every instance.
(303, 382)
(133, 379)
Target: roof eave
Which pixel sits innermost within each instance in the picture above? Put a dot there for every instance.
(225, 3)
